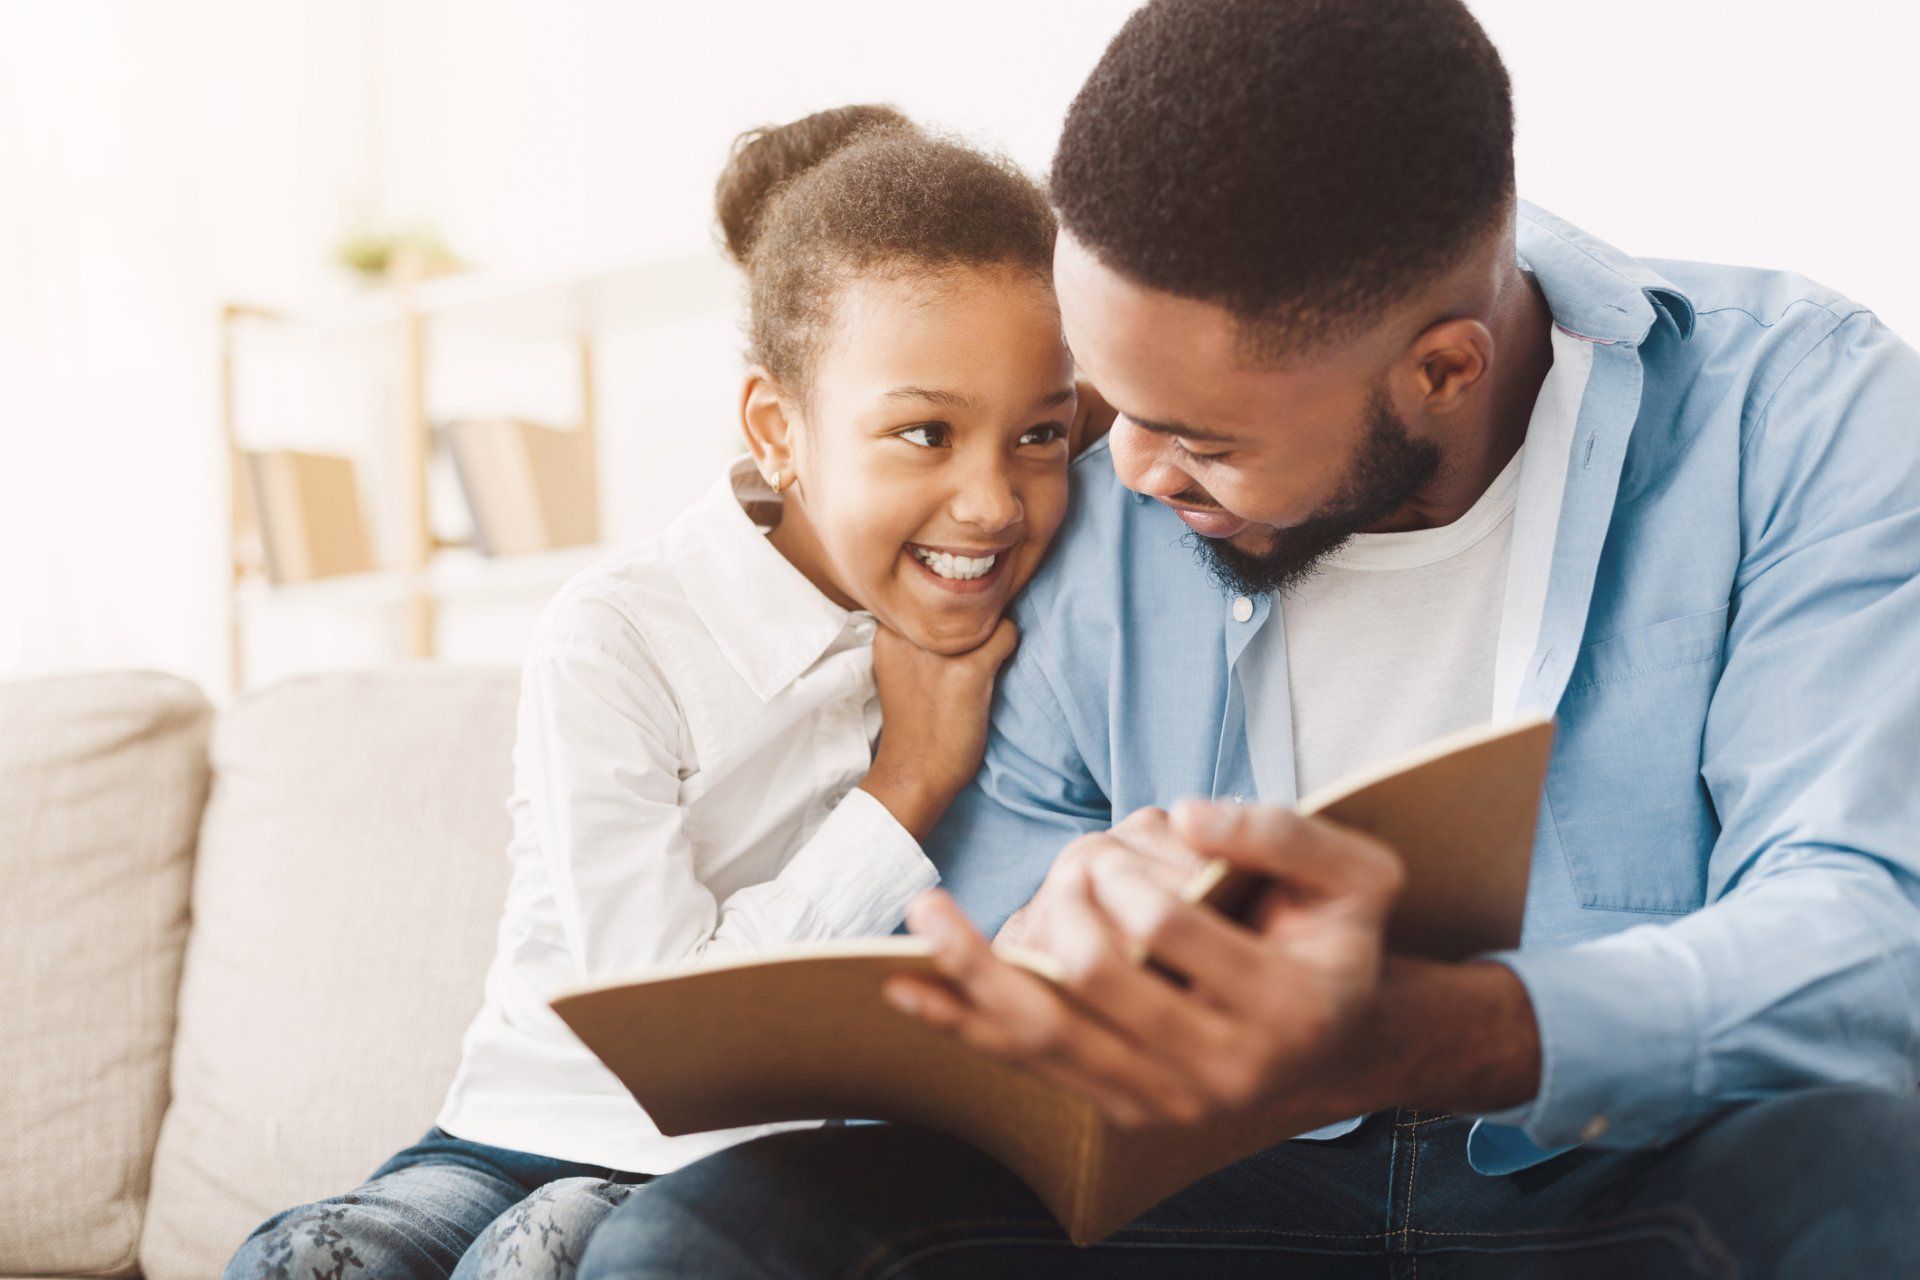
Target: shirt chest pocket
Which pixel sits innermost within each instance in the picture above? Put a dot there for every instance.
(1625, 795)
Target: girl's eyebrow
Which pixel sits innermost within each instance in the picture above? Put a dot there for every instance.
(958, 400)
(949, 399)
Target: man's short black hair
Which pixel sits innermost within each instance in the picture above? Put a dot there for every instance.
(1301, 162)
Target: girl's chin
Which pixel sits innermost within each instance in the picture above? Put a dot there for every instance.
(947, 636)
(948, 631)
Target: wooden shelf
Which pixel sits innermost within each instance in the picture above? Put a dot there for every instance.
(582, 302)
(453, 574)
(573, 306)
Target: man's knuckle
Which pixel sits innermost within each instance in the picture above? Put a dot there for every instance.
(1389, 872)
(1166, 1025)
(1083, 849)
(1089, 976)
(1041, 1034)
(1185, 1107)
(1236, 1079)
(964, 964)
(1162, 925)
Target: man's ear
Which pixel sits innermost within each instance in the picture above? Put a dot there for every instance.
(767, 422)
(1448, 359)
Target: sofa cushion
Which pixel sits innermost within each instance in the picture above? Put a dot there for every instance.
(346, 894)
(102, 777)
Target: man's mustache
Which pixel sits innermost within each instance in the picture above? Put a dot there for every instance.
(1197, 498)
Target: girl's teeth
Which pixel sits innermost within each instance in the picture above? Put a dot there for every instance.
(960, 567)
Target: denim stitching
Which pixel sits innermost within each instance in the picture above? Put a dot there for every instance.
(877, 1257)
(1413, 1163)
(928, 1251)
(1678, 1225)
(1393, 1163)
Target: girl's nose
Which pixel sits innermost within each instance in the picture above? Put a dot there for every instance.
(986, 500)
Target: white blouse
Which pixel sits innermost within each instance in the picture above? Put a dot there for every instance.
(694, 718)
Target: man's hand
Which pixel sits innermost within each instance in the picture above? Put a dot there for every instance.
(1145, 840)
(1266, 1014)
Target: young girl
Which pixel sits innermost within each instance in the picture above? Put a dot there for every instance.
(695, 768)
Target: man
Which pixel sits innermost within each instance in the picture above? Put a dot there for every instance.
(1444, 458)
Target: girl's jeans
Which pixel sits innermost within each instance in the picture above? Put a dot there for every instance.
(443, 1207)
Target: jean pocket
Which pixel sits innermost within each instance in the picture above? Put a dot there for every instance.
(1625, 796)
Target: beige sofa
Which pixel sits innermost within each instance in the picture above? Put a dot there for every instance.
(237, 951)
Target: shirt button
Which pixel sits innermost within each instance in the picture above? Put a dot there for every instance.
(1242, 609)
(1594, 1129)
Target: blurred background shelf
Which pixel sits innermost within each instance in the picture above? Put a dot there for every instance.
(455, 573)
(531, 490)
(547, 304)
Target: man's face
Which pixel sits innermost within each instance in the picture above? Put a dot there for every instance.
(1272, 468)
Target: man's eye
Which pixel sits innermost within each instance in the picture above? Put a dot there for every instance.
(1045, 433)
(1185, 448)
(928, 435)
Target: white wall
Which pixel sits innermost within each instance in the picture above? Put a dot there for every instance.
(157, 157)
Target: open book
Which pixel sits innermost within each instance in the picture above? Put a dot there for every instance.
(804, 1034)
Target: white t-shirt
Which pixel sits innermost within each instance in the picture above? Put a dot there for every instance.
(1403, 637)
(1391, 642)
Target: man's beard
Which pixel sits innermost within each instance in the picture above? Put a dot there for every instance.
(1389, 468)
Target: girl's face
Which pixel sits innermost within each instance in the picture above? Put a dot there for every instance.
(931, 456)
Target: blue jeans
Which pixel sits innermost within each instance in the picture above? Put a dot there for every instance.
(443, 1207)
(1821, 1183)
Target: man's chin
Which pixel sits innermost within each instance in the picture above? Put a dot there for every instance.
(1252, 542)
(1267, 560)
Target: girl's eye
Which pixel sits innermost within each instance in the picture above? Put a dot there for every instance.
(1045, 433)
(928, 435)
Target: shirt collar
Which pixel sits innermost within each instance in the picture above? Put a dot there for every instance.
(769, 622)
(1595, 291)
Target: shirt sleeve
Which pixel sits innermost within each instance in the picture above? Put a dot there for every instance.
(598, 751)
(1804, 967)
(1032, 796)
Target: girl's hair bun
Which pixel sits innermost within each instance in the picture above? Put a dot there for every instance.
(766, 159)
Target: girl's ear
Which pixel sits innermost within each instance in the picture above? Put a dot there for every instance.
(765, 420)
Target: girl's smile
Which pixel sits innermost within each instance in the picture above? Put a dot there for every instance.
(961, 570)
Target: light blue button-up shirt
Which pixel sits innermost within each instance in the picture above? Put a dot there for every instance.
(1725, 898)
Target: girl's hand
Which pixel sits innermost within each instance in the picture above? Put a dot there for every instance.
(935, 729)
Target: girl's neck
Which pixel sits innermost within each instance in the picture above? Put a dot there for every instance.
(795, 538)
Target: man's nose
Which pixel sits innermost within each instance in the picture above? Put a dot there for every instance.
(1144, 461)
